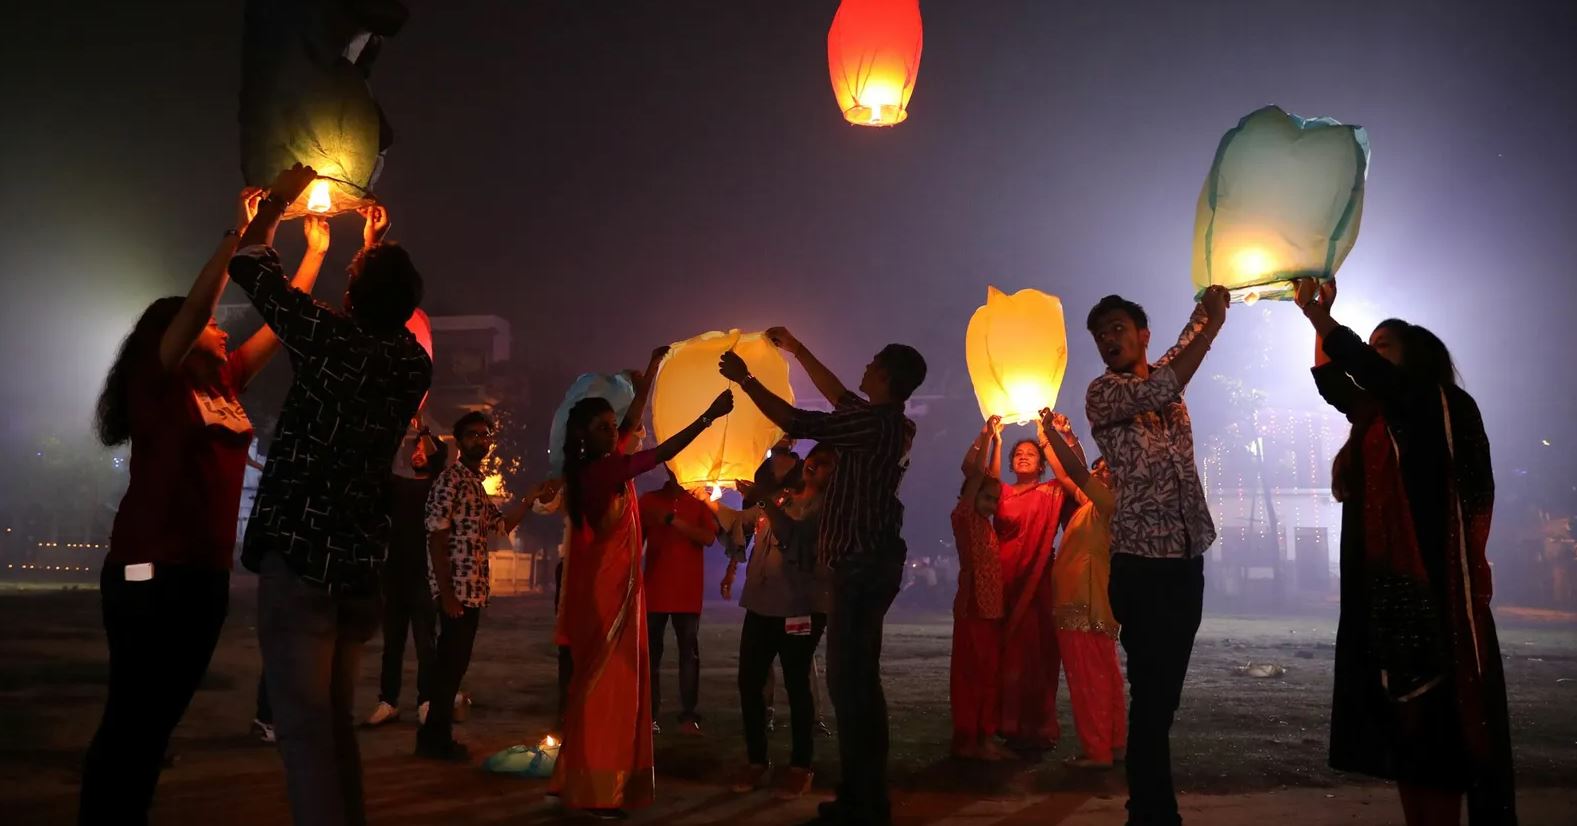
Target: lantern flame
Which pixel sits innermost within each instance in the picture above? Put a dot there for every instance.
(717, 492)
(1253, 262)
(318, 198)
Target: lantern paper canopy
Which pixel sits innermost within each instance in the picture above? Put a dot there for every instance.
(687, 382)
(1017, 352)
(616, 388)
(305, 99)
(873, 55)
(1283, 200)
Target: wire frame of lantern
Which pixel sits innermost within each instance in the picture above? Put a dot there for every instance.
(873, 56)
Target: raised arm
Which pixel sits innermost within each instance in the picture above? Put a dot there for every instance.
(721, 406)
(203, 297)
(1061, 448)
(643, 392)
(261, 347)
(1118, 397)
(826, 383)
(978, 461)
(1185, 357)
(1350, 353)
(779, 411)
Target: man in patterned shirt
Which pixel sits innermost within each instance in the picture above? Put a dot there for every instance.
(319, 529)
(461, 519)
(1161, 528)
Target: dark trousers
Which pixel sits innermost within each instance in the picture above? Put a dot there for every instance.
(863, 589)
(1158, 602)
(311, 640)
(265, 709)
(407, 607)
(161, 633)
(687, 629)
(456, 637)
(761, 640)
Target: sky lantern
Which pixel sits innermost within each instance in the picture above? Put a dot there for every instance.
(1283, 200)
(1017, 352)
(616, 388)
(873, 54)
(687, 382)
(305, 98)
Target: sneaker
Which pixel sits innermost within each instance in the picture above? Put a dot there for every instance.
(690, 728)
(264, 731)
(823, 729)
(453, 751)
(750, 778)
(656, 728)
(462, 707)
(384, 713)
(794, 783)
(421, 713)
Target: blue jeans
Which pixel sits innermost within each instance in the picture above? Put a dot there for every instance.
(311, 641)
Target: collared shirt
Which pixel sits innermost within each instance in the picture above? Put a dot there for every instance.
(460, 505)
(322, 502)
(407, 562)
(1143, 430)
(861, 513)
(675, 564)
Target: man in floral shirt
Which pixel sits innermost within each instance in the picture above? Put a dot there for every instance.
(461, 519)
(1161, 527)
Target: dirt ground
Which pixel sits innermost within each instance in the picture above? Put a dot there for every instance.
(1244, 748)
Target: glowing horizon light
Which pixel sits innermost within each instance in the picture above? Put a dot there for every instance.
(319, 198)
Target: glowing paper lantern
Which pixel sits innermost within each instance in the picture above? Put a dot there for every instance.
(687, 383)
(616, 388)
(1283, 200)
(305, 99)
(1017, 352)
(873, 55)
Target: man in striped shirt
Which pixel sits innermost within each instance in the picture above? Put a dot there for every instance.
(861, 538)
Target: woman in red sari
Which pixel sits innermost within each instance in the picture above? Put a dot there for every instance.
(605, 764)
(1026, 524)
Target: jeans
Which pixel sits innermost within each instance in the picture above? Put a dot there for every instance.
(407, 606)
(687, 629)
(1158, 603)
(311, 640)
(456, 637)
(864, 587)
(161, 634)
(761, 640)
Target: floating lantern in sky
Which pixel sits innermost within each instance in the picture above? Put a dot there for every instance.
(305, 99)
(1016, 349)
(616, 388)
(1283, 200)
(687, 383)
(873, 55)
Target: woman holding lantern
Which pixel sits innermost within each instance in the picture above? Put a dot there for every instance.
(974, 690)
(1420, 694)
(606, 762)
(1026, 524)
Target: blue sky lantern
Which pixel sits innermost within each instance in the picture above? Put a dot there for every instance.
(616, 388)
(1283, 200)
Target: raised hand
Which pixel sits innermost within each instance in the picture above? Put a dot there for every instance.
(316, 230)
(733, 367)
(783, 339)
(246, 206)
(721, 406)
(376, 224)
(291, 182)
(992, 426)
(1303, 292)
(1215, 301)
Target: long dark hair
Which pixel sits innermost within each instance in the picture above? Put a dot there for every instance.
(112, 420)
(1424, 356)
(575, 458)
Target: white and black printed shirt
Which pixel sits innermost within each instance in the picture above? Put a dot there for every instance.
(322, 503)
(460, 505)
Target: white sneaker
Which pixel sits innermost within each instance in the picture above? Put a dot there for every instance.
(263, 731)
(462, 707)
(384, 713)
(421, 713)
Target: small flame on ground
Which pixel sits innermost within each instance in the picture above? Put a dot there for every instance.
(550, 742)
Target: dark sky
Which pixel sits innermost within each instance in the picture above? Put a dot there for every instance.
(613, 175)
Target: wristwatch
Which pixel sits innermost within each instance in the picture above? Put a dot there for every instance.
(706, 421)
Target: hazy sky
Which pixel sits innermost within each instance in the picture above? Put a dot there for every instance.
(613, 175)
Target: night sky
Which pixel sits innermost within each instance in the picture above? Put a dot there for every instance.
(614, 175)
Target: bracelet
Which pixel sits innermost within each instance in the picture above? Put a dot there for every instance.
(706, 421)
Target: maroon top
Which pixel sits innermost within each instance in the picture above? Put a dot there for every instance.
(188, 459)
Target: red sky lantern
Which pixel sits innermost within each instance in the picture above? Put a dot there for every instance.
(873, 54)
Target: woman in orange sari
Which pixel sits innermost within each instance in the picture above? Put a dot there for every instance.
(605, 764)
(1026, 524)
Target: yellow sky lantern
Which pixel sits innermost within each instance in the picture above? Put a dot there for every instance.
(1283, 200)
(1016, 348)
(873, 55)
(687, 382)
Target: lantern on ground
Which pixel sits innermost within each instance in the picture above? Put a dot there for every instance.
(686, 384)
(873, 55)
(1016, 348)
(305, 99)
(1283, 200)
(615, 388)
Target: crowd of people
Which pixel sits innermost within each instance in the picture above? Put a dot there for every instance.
(1057, 563)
